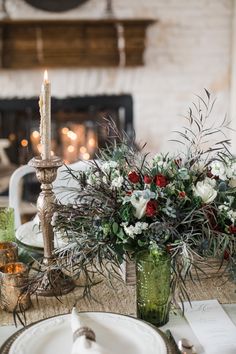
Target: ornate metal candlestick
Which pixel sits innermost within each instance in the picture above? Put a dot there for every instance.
(55, 282)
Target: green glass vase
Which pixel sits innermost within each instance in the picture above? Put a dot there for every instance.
(7, 228)
(153, 273)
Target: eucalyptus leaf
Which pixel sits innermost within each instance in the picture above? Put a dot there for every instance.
(115, 227)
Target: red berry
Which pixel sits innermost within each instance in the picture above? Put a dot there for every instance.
(182, 195)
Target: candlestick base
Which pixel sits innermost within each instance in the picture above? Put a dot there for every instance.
(54, 283)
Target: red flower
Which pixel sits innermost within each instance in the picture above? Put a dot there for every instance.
(232, 229)
(133, 177)
(161, 180)
(129, 192)
(147, 179)
(151, 208)
(182, 195)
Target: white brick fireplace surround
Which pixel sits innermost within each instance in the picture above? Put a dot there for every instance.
(189, 48)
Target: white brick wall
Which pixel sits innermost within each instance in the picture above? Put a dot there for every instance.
(189, 48)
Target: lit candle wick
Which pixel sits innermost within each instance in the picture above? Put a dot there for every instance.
(45, 76)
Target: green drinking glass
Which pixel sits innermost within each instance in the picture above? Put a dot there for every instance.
(7, 227)
(153, 271)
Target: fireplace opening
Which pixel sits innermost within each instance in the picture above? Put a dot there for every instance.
(77, 125)
(77, 130)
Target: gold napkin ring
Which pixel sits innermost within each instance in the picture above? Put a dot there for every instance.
(84, 331)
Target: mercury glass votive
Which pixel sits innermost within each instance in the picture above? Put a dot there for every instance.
(7, 228)
(13, 285)
(8, 253)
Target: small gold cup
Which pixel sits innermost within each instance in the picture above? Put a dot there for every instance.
(13, 285)
(8, 253)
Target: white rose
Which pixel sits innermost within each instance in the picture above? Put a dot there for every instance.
(210, 181)
(205, 191)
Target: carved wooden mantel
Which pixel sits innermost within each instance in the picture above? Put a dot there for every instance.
(107, 42)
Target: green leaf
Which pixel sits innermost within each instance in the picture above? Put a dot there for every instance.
(142, 243)
(115, 227)
(121, 234)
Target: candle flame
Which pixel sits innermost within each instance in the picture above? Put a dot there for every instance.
(45, 76)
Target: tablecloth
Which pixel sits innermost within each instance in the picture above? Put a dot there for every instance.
(118, 298)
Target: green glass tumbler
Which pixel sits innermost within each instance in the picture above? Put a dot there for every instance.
(153, 271)
(7, 227)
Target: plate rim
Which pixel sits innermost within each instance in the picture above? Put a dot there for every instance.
(31, 246)
(6, 347)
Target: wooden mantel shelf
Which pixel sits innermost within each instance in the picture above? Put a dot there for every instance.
(106, 42)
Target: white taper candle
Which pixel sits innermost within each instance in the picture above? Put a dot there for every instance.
(45, 113)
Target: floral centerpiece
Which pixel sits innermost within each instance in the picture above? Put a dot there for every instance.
(158, 208)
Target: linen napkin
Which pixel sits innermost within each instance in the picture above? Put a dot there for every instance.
(84, 339)
(212, 326)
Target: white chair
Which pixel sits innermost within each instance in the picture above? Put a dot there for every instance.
(4, 143)
(16, 190)
(29, 233)
(6, 169)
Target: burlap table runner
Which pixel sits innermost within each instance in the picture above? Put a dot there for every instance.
(119, 299)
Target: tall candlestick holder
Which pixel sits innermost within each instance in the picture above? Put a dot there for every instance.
(55, 282)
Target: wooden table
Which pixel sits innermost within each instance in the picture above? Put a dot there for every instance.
(121, 299)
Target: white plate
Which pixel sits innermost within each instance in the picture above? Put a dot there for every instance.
(30, 235)
(117, 333)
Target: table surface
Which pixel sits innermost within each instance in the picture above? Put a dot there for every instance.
(177, 324)
(121, 299)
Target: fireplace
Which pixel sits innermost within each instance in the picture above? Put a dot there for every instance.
(77, 125)
(78, 129)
